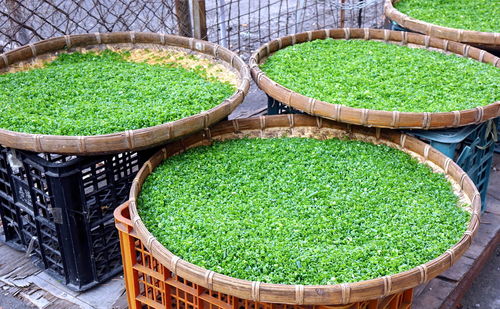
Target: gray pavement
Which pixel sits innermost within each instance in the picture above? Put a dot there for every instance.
(7, 301)
(485, 290)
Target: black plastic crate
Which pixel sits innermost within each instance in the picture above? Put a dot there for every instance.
(59, 209)
(277, 108)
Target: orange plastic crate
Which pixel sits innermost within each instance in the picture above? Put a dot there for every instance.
(150, 284)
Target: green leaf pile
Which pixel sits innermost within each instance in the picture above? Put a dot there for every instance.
(91, 94)
(380, 76)
(301, 211)
(477, 15)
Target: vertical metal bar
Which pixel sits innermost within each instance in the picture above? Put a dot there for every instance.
(217, 21)
(342, 14)
(360, 17)
(297, 5)
(17, 31)
(279, 15)
(222, 14)
(303, 16)
(259, 8)
(229, 28)
(239, 49)
(269, 19)
(183, 18)
(199, 14)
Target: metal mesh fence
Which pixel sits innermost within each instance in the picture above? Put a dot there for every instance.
(22, 22)
(241, 25)
(244, 25)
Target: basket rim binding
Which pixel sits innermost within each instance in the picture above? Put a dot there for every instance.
(305, 294)
(131, 139)
(488, 39)
(369, 117)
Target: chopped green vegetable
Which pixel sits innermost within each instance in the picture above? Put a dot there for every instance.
(90, 94)
(477, 15)
(380, 76)
(301, 211)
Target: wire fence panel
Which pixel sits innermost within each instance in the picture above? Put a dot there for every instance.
(244, 25)
(23, 22)
(241, 25)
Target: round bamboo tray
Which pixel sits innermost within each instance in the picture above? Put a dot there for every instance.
(485, 40)
(132, 139)
(307, 126)
(368, 117)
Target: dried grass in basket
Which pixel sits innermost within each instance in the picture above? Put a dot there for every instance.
(368, 117)
(132, 139)
(307, 126)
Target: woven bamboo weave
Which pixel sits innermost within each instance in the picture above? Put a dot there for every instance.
(368, 117)
(307, 126)
(485, 40)
(133, 139)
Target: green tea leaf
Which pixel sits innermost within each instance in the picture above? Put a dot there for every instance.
(301, 211)
(477, 15)
(90, 94)
(381, 76)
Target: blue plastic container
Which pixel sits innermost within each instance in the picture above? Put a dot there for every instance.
(396, 27)
(471, 147)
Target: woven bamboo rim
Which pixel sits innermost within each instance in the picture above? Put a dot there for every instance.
(487, 40)
(281, 125)
(132, 139)
(368, 117)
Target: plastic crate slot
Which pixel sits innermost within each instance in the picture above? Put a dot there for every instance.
(214, 301)
(67, 203)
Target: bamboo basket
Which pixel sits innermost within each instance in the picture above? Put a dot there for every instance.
(484, 40)
(154, 276)
(132, 139)
(368, 117)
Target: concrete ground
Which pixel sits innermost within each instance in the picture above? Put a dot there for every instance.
(485, 291)
(9, 302)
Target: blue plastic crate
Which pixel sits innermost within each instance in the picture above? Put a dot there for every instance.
(397, 27)
(471, 147)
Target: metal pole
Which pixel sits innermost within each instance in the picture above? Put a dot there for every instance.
(17, 32)
(342, 14)
(360, 17)
(183, 17)
(199, 19)
(223, 23)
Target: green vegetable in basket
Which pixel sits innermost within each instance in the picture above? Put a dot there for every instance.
(301, 211)
(477, 15)
(381, 76)
(91, 94)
